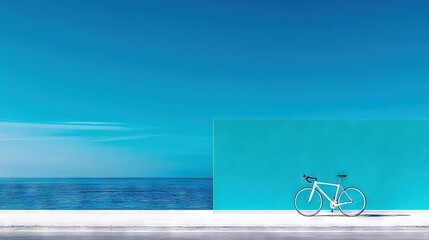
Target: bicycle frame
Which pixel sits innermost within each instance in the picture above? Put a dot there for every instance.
(333, 202)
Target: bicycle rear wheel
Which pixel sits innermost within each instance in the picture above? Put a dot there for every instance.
(352, 202)
(305, 207)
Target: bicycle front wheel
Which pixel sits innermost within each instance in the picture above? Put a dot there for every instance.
(306, 206)
(352, 202)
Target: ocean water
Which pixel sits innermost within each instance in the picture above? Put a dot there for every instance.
(106, 193)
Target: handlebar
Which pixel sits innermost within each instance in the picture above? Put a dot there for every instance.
(308, 177)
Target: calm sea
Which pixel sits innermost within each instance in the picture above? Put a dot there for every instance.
(106, 193)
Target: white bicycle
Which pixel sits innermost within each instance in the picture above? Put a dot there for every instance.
(308, 201)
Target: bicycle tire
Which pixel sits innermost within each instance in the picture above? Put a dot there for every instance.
(308, 213)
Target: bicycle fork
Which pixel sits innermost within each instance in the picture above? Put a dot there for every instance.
(312, 192)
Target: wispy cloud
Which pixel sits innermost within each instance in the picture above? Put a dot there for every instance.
(93, 123)
(93, 131)
(35, 131)
(126, 138)
(119, 124)
(17, 139)
(31, 138)
(68, 126)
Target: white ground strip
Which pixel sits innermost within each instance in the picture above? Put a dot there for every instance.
(136, 220)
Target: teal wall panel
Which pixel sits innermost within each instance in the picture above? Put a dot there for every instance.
(258, 164)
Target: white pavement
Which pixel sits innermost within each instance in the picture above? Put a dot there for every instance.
(143, 220)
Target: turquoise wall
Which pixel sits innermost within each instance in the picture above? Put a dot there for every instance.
(258, 164)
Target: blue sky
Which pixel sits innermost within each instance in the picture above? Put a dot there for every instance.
(130, 88)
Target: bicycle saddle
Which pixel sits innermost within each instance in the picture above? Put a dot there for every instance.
(342, 175)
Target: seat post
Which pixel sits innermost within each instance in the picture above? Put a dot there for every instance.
(341, 176)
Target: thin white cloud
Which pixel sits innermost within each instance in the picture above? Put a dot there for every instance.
(126, 138)
(108, 124)
(32, 138)
(16, 139)
(34, 131)
(93, 123)
(64, 126)
(190, 137)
